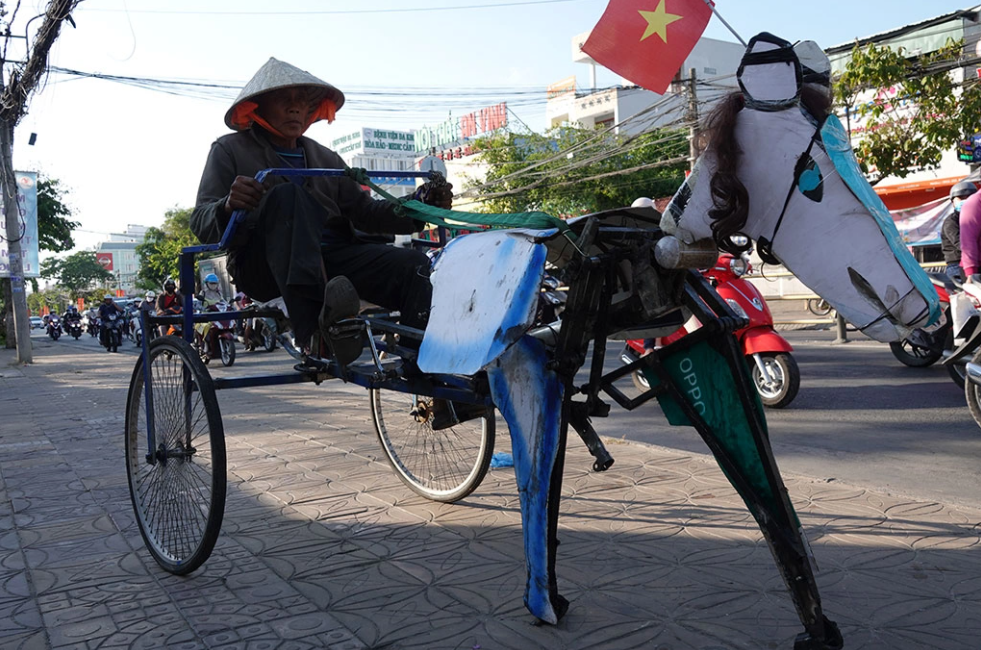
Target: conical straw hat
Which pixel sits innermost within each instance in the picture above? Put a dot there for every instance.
(275, 74)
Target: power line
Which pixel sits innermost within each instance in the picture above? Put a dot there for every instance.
(334, 12)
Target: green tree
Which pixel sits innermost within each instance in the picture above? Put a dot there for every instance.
(50, 298)
(76, 272)
(54, 224)
(909, 107)
(571, 171)
(161, 248)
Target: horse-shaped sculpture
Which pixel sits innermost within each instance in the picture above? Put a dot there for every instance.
(782, 174)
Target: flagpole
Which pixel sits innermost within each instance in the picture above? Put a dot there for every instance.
(728, 26)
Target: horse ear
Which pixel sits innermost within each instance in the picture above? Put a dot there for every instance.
(770, 74)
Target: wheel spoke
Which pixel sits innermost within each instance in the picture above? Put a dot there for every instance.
(179, 497)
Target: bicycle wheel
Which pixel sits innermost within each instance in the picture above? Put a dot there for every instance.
(177, 488)
(444, 465)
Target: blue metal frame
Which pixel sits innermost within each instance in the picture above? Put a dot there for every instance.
(188, 318)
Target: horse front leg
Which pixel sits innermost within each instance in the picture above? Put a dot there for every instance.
(529, 396)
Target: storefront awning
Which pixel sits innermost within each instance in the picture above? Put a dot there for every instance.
(910, 195)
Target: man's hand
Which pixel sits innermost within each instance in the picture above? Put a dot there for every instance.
(437, 194)
(244, 194)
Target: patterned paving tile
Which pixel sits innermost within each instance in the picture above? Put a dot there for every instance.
(323, 547)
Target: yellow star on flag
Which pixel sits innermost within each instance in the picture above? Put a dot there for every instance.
(658, 21)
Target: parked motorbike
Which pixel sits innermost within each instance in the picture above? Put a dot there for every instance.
(774, 370)
(54, 327)
(112, 333)
(216, 339)
(74, 327)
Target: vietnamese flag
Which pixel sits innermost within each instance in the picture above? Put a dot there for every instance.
(647, 41)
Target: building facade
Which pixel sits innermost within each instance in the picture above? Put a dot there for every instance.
(713, 62)
(118, 256)
(922, 186)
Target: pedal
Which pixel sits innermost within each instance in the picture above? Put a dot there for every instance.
(312, 366)
(388, 366)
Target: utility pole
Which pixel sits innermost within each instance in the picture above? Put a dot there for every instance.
(692, 116)
(13, 104)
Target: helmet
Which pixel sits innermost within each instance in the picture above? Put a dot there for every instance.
(211, 281)
(962, 190)
(170, 284)
(150, 295)
(108, 296)
(642, 202)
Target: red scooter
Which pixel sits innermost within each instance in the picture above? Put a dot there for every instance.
(774, 370)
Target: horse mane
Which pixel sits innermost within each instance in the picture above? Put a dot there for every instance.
(730, 199)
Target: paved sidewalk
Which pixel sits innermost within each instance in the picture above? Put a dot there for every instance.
(322, 546)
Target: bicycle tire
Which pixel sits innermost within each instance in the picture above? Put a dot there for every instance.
(179, 500)
(445, 465)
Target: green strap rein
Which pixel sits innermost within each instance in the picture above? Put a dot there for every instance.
(431, 214)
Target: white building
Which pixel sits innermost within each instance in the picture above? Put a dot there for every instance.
(714, 63)
(380, 149)
(118, 256)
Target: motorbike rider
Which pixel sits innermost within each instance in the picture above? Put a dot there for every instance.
(241, 302)
(71, 314)
(169, 303)
(71, 317)
(149, 305)
(107, 309)
(211, 294)
(950, 230)
(92, 313)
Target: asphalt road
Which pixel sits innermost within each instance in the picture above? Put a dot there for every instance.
(860, 418)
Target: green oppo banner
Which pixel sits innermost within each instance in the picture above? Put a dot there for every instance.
(705, 378)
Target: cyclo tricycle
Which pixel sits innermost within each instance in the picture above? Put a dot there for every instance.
(174, 439)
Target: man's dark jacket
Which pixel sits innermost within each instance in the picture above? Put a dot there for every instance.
(950, 238)
(245, 153)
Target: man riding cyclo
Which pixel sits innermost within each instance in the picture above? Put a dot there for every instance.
(304, 237)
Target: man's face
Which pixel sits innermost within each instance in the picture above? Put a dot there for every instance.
(288, 110)
(170, 289)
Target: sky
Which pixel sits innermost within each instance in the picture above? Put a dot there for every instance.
(127, 154)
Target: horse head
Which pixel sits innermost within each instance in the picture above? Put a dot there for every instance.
(779, 168)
